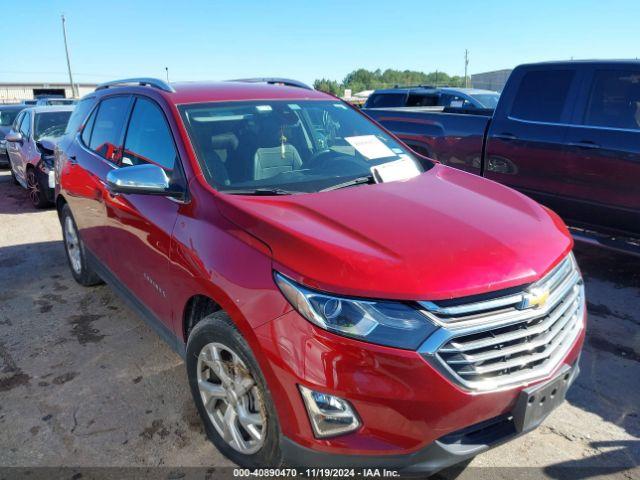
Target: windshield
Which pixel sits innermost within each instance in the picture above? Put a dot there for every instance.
(294, 146)
(487, 100)
(50, 124)
(7, 117)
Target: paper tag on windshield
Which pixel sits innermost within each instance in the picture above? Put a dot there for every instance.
(370, 146)
(402, 169)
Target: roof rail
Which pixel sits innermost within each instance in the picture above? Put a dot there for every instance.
(144, 81)
(274, 81)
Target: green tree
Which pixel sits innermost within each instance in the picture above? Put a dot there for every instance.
(363, 79)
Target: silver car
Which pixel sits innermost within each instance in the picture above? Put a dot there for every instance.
(30, 146)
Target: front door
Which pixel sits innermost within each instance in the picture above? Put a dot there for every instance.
(144, 224)
(525, 146)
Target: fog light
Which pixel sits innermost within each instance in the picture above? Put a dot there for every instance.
(329, 415)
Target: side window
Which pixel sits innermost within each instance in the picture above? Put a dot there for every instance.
(79, 114)
(541, 95)
(16, 123)
(422, 100)
(108, 128)
(385, 100)
(88, 128)
(615, 100)
(25, 125)
(453, 101)
(148, 139)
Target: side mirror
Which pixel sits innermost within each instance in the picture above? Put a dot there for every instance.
(14, 137)
(144, 179)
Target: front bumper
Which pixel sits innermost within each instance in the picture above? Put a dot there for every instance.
(445, 452)
(4, 158)
(409, 409)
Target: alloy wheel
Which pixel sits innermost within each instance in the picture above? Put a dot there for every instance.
(33, 187)
(231, 398)
(72, 244)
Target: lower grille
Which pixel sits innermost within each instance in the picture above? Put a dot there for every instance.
(515, 338)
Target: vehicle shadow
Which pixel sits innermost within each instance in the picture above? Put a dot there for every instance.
(607, 464)
(14, 199)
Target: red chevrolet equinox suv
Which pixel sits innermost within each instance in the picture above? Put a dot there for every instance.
(338, 299)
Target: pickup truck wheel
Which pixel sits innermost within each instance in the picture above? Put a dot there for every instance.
(36, 188)
(231, 394)
(76, 255)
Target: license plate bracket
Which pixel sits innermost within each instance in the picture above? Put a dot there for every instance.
(535, 403)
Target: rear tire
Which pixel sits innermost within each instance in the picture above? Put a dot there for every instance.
(252, 416)
(36, 187)
(75, 250)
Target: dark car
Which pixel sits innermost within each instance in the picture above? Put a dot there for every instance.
(8, 114)
(427, 96)
(336, 302)
(565, 133)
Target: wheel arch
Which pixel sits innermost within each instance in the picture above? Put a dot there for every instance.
(197, 307)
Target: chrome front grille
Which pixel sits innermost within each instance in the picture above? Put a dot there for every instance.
(516, 338)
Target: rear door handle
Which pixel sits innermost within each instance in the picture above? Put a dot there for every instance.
(584, 144)
(505, 136)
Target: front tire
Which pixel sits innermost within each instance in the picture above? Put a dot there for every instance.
(75, 250)
(231, 394)
(36, 188)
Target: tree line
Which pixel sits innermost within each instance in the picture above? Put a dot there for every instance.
(363, 79)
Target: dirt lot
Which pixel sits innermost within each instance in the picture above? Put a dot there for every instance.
(84, 382)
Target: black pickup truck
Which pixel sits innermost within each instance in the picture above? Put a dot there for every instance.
(565, 133)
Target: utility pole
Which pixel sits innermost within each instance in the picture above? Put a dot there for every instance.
(466, 67)
(167, 70)
(74, 90)
(436, 78)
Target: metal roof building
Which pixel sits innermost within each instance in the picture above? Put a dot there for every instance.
(17, 92)
(491, 80)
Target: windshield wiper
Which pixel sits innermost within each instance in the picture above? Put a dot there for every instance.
(260, 191)
(350, 183)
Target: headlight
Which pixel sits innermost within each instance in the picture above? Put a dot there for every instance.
(394, 324)
(3, 143)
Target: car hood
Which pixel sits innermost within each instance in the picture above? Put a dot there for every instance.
(443, 234)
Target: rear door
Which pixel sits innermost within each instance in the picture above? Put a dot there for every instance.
(91, 157)
(144, 224)
(603, 152)
(525, 145)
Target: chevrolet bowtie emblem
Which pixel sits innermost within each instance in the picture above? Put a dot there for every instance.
(535, 298)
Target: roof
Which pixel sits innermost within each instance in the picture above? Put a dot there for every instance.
(200, 92)
(195, 92)
(13, 106)
(405, 90)
(50, 108)
(584, 62)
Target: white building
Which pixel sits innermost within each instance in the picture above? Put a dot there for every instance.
(17, 92)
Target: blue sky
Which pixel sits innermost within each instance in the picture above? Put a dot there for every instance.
(221, 39)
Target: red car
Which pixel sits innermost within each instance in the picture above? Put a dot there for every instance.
(338, 300)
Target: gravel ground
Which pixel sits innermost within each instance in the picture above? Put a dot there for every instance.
(85, 383)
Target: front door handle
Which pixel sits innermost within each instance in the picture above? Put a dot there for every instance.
(73, 160)
(584, 144)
